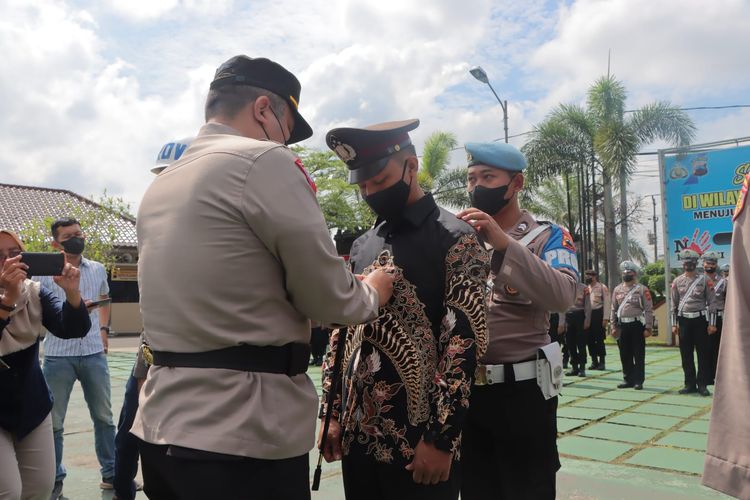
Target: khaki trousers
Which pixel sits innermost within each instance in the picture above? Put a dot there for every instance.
(27, 467)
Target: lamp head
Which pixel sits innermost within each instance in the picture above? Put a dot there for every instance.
(478, 73)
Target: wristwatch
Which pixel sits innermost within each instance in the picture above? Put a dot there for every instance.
(104, 328)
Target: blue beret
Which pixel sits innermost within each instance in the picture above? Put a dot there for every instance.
(495, 154)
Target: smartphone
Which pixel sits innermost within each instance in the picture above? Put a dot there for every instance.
(101, 302)
(43, 263)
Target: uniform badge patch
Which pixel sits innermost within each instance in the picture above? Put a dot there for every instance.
(567, 241)
(522, 227)
(742, 198)
(310, 180)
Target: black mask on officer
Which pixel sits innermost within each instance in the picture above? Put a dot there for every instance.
(74, 245)
(389, 203)
(710, 268)
(628, 277)
(689, 266)
(588, 280)
(490, 200)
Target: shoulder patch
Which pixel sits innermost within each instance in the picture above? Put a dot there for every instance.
(559, 253)
(742, 198)
(647, 294)
(567, 240)
(310, 180)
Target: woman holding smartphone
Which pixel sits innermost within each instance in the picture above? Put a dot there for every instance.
(27, 453)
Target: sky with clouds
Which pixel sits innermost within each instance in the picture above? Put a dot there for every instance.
(91, 90)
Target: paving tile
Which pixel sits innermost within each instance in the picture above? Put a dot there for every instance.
(583, 413)
(683, 400)
(604, 404)
(574, 390)
(617, 432)
(670, 458)
(642, 420)
(700, 426)
(596, 449)
(685, 440)
(568, 424)
(669, 410)
(565, 399)
(627, 395)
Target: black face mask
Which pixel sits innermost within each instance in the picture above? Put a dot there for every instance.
(489, 200)
(689, 266)
(710, 269)
(74, 245)
(628, 277)
(588, 281)
(389, 203)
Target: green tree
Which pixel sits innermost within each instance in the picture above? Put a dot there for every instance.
(341, 203)
(98, 222)
(572, 137)
(652, 276)
(448, 185)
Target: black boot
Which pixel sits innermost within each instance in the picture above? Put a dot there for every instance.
(582, 370)
(573, 371)
(594, 363)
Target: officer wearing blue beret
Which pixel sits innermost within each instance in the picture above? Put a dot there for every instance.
(533, 270)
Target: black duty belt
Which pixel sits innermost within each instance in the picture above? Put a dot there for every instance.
(289, 359)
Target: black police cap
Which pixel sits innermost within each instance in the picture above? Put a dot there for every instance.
(265, 74)
(366, 151)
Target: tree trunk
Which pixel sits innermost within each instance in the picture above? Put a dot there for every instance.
(624, 243)
(610, 237)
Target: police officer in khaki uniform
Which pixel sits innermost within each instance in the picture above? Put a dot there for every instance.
(599, 294)
(727, 466)
(577, 321)
(692, 294)
(632, 318)
(509, 441)
(235, 256)
(716, 310)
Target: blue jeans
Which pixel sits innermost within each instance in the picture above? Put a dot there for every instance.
(92, 372)
(126, 444)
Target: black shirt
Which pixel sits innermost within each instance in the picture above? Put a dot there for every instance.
(407, 374)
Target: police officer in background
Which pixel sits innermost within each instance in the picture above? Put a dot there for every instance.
(509, 441)
(235, 256)
(599, 294)
(577, 321)
(632, 318)
(692, 295)
(716, 311)
(126, 444)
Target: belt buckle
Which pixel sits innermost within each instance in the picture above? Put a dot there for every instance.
(480, 375)
(148, 356)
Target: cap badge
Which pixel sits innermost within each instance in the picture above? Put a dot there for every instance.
(469, 157)
(342, 150)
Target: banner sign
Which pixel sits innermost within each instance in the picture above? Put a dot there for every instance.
(701, 191)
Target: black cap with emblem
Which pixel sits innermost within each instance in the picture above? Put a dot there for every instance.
(366, 151)
(265, 74)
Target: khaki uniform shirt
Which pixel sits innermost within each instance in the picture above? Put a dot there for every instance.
(599, 294)
(234, 250)
(639, 304)
(701, 297)
(526, 283)
(727, 466)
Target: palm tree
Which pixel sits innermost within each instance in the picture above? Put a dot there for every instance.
(448, 185)
(605, 135)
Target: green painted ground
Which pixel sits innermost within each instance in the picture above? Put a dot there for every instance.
(614, 443)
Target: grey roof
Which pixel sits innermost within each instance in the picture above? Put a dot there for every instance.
(20, 205)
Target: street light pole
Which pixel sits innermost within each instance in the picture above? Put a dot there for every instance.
(655, 218)
(481, 75)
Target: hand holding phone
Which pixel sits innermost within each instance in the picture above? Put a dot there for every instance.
(93, 304)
